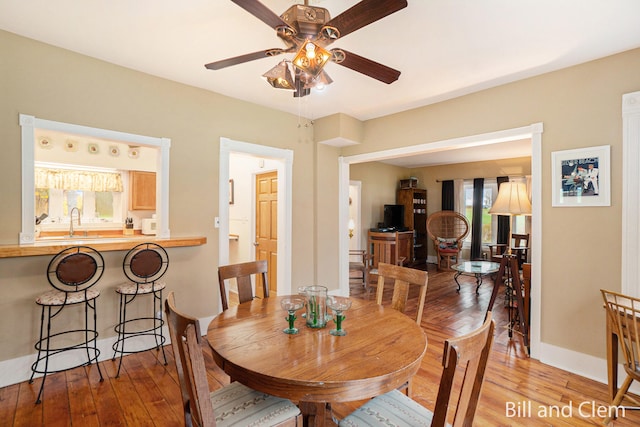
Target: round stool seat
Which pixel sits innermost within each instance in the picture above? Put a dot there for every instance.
(62, 298)
(140, 288)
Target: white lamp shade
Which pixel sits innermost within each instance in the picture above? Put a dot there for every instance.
(352, 225)
(512, 200)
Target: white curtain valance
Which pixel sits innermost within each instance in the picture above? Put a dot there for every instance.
(61, 179)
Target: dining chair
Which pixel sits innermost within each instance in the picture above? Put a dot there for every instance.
(232, 405)
(403, 278)
(526, 290)
(466, 356)
(243, 273)
(624, 317)
(360, 263)
(518, 241)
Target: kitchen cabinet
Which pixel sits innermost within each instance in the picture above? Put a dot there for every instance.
(142, 190)
(414, 201)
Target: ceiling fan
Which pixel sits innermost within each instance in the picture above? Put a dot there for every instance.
(307, 31)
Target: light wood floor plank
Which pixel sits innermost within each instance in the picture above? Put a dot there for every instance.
(147, 392)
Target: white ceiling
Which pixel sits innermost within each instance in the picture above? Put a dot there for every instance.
(444, 48)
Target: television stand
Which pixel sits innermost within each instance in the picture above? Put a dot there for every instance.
(389, 247)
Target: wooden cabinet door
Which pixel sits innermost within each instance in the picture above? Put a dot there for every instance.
(142, 194)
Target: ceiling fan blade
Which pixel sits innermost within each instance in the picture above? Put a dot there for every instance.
(261, 12)
(365, 66)
(363, 13)
(223, 63)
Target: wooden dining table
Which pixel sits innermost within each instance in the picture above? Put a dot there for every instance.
(381, 351)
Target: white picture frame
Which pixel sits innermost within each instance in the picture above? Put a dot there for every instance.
(581, 177)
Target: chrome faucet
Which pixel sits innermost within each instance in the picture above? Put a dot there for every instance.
(71, 220)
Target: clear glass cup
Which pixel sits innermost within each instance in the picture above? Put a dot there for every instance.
(338, 306)
(291, 305)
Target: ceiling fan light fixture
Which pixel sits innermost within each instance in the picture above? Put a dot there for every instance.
(311, 58)
(282, 76)
(320, 82)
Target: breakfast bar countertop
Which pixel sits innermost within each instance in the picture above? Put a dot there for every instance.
(53, 246)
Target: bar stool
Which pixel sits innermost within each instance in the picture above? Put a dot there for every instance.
(72, 272)
(143, 265)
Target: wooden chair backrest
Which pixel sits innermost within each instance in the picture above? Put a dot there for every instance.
(447, 225)
(403, 278)
(200, 405)
(624, 316)
(470, 351)
(191, 372)
(521, 240)
(360, 255)
(243, 273)
(526, 285)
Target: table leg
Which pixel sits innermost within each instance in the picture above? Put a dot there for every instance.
(478, 282)
(455, 277)
(313, 413)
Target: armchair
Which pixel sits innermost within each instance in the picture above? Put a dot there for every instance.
(447, 230)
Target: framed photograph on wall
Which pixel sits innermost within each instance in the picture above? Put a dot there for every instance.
(581, 177)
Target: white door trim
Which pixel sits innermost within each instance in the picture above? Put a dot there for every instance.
(630, 194)
(533, 131)
(285, 169)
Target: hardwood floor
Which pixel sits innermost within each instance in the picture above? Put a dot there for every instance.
(147, 392)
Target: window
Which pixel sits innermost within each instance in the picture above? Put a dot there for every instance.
(95, 206)
(96, 143)
(97, 193)
(489, 222)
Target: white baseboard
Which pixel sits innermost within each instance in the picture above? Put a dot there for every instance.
(17, 370)
(581, 364)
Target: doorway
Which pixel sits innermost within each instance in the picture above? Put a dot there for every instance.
(355, 220)
(533, 132)
(266, 242)
(283, 164)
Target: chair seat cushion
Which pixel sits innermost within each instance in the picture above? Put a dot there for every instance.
(239, 405)
(390, 409)
(140, 288)
(448, 251)
(447, 244)
(62, 298)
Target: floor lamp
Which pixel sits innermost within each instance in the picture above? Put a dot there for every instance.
(512, 200)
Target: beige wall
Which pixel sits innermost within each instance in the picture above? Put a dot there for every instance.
(55, 84)
(379, 184)
(579, 107)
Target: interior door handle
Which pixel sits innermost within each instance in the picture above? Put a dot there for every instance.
(256, 244)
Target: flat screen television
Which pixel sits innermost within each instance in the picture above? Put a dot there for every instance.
(394, 217)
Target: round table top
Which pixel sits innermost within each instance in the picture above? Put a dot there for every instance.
(477, 267)
(382, 350)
